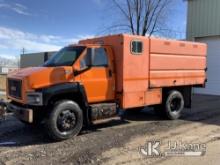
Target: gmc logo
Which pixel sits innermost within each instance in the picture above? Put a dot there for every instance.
(13, 88)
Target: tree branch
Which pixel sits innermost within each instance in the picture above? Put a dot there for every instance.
(141, 16)
(146, 16)
(138, 15)
(130, 17)
(153, 14)
(157, 17)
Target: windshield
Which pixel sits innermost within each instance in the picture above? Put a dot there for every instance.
(65, 57)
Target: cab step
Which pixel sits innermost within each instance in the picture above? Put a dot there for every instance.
(103, 111)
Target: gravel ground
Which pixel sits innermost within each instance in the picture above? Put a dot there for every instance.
(117, 142)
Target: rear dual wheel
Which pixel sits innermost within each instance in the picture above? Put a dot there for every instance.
(172, 105)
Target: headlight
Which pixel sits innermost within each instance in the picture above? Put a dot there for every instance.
(34, 98)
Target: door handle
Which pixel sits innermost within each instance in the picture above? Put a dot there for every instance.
(110, 73)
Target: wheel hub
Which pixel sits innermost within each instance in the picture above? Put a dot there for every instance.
(175, 104)
(66, 121)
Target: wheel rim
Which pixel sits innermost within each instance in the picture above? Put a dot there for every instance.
(175, 104)
(66, 121)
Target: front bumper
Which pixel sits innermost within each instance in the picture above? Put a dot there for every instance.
(25, 114)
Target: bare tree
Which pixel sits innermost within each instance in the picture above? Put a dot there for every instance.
(142, 17)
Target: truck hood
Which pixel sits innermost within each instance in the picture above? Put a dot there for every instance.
(38, 77)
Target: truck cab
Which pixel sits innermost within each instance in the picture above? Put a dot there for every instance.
(91, 65)
(84, 73)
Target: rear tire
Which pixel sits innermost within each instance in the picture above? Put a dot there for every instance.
(172, 106)
(64, 121)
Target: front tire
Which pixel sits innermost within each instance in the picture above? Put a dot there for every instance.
(64, 121)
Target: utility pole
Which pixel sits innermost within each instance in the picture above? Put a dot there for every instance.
(23, 51)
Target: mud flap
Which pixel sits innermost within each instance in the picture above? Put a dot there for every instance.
(3, 108)
(187, 94)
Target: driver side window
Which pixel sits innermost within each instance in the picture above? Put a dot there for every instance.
(100, 58)
(96, 57)
(86, 60)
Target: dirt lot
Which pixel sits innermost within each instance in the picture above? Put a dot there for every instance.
(118, 142)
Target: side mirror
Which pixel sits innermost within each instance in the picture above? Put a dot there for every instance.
(76, 72)
(86, 62)
(89, 57)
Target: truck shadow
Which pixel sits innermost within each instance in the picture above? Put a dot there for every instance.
(13, 133)
(130, 116)
(205, 110)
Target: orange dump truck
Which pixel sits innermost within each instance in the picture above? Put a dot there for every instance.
(97, 77)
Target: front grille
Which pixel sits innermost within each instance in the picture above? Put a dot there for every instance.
(15, 88)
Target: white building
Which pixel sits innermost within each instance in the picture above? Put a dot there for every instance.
(34, 59)
(203, 25)
(5, 70)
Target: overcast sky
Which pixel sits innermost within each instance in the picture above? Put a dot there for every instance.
(45, 25)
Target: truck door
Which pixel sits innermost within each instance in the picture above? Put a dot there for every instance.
(98, 79)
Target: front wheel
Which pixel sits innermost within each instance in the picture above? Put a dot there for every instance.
(64, 121)
(172, 106)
